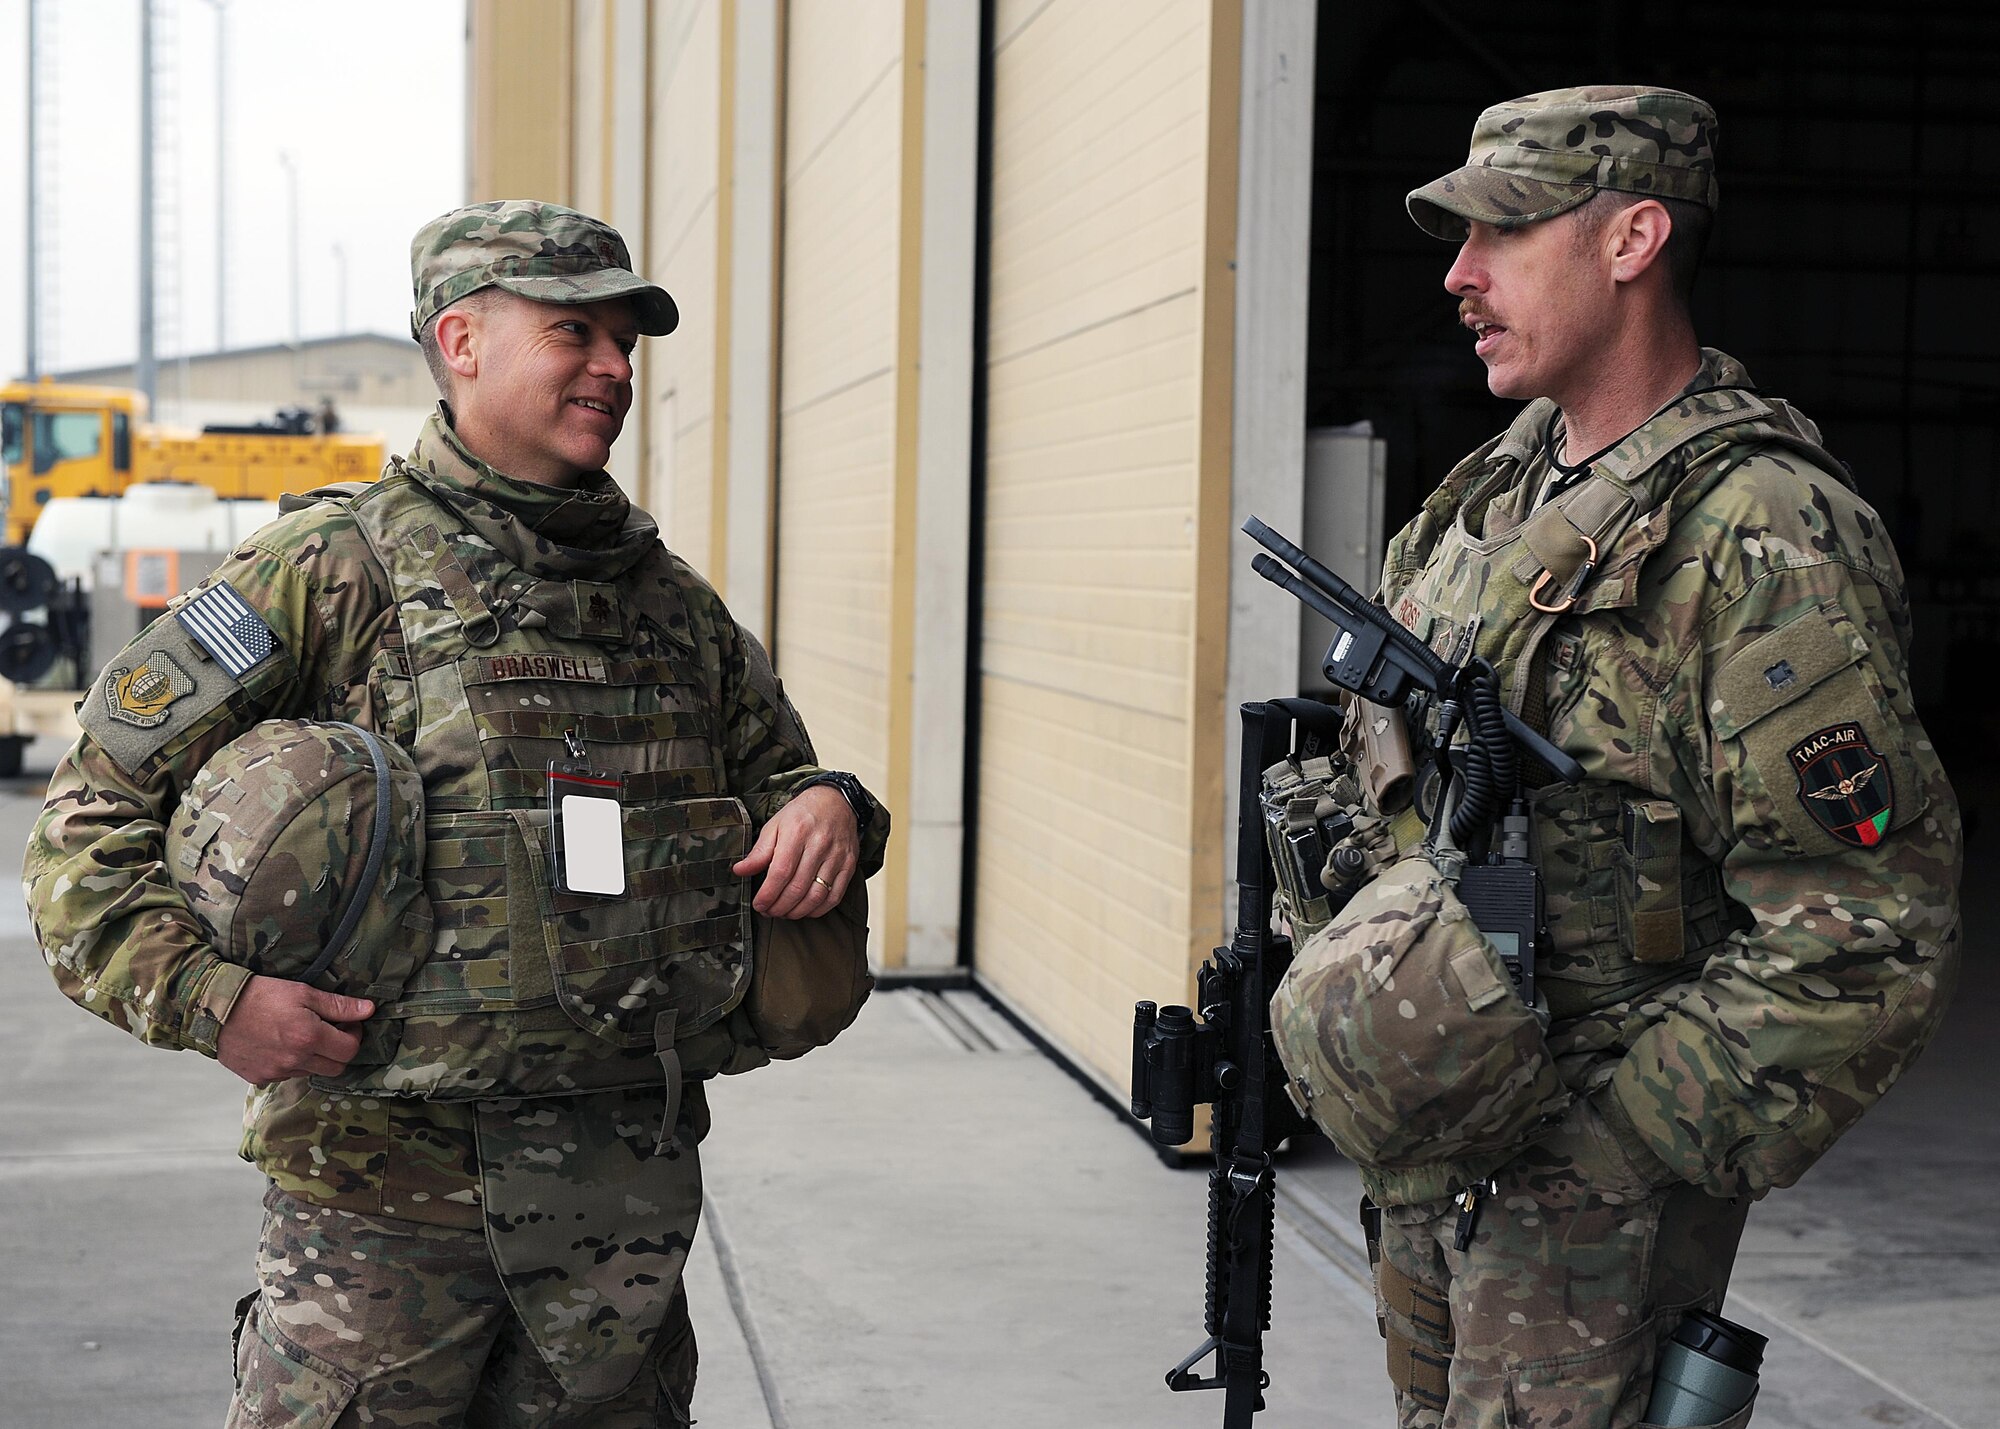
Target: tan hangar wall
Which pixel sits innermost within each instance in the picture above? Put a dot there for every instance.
(680, 481)
(837, 373)
(516, 150)
(1105, 598)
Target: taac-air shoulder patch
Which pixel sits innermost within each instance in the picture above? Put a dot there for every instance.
(1845, 784)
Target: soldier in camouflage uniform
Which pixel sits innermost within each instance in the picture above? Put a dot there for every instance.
(1753, 893)
(482, 1190)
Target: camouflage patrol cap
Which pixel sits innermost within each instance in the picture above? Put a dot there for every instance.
(539, 250)
(299, 847)
(1543, 154)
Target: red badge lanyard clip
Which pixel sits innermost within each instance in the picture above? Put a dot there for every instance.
(586, 828)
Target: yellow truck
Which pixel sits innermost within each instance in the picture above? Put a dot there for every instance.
(59, 441)
(94, 441)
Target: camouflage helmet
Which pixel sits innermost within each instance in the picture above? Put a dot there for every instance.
(299, 847)
(537, 250)
(1403, 1037)
(1543, 154)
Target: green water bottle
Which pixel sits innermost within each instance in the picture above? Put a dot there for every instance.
(1707, 1372)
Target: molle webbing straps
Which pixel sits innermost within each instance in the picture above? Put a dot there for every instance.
(482, 627)
(207, 825)
(1407, 828)
(1418, 1370)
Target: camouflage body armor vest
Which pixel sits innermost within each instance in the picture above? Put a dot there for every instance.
(530, 990)
(1632, 904)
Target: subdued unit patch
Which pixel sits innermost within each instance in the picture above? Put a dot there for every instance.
(142, 694)
(131, 715)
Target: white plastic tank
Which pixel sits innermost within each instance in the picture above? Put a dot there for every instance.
(153, 515)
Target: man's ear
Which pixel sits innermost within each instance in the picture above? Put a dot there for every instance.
(457, 332)
(1637, 239)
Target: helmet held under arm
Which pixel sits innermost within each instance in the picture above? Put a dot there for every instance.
(300, 849)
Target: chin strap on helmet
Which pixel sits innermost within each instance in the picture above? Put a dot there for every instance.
(371, 870)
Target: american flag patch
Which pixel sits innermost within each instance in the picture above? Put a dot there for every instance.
(234, 635)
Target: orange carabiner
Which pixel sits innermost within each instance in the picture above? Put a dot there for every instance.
(1576, 583)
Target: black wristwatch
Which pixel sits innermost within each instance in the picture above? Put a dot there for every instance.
(851, 790)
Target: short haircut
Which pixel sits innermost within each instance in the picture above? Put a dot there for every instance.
(1685, 245)
(478, 300)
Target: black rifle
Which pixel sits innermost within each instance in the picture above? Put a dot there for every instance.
(1227, 1058)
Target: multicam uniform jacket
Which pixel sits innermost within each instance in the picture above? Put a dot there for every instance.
(1753, 894)
(119, 937)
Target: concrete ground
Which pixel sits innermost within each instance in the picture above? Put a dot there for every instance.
(931, 1224)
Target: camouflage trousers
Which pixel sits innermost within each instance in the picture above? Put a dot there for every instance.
(1576, 1273)
(367, 1320)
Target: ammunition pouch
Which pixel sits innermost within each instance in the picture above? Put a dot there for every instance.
(1308, 806)
(1323, 842)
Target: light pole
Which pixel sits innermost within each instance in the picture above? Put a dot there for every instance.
(221, 8)
(291, 164)
(148, 366)
(34, 191)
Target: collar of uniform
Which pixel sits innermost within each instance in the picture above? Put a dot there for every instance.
(550, 531)
(1639, 448)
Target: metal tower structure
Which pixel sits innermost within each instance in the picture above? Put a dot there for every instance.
(44, 189)
(147, 367)
(169, 230)
(221, 8)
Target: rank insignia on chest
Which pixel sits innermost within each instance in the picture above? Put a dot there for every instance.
(1844, 784)
(597, 611)
(223, 624)
(142, 694)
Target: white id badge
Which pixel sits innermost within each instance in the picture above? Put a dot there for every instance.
(589, 832)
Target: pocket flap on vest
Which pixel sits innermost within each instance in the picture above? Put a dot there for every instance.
(1776, 669)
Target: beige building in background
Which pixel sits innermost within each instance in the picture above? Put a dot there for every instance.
(377, 384)
(992, 333)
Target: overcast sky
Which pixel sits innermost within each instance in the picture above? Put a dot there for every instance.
(369, 95)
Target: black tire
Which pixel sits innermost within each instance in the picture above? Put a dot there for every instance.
(11, 750)
(26, 652)
(27, 582)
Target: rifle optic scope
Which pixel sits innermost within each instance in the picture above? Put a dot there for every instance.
(1169, 1061)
